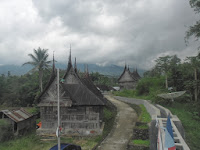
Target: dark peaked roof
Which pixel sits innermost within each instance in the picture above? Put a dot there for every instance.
(134, 75)
(87, 81)
(75, 66)
(70, 67)
(81, 95)
(89, 84)
(126, 70)
(122, 72)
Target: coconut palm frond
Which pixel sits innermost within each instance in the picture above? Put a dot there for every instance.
(33, 70)
(48, 62)
(33, 57)
(39, 61)
(29, 63)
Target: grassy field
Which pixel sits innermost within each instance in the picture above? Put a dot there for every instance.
(34, 142)
(130, 94)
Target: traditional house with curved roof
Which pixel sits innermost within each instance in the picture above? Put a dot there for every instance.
(81, 106)
(128, 79)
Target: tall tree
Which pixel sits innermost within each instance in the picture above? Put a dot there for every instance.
(174, 71)
(195, 62)
(195, 29)
(39, 63)
(163, 64)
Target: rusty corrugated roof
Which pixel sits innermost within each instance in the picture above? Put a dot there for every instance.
(17, 115)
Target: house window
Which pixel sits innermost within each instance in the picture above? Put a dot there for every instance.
(93, 117)
(79, 117)
(65, 117)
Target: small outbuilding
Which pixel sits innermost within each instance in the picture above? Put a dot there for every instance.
(20, 120)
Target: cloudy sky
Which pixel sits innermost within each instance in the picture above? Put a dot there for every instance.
(99, 31)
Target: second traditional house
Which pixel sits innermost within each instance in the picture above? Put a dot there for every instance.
(81, 105)
(127, 79)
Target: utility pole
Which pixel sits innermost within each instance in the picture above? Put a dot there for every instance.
(58, 129)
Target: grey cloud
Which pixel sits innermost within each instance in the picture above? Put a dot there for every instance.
(100, 31)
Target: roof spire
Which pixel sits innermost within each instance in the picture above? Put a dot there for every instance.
(53, 69)
(75, 67)
(125, 66)
(70, 60)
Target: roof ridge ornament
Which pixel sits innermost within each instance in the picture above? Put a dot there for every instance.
(75, 66)
(70, 60)
(53, 69)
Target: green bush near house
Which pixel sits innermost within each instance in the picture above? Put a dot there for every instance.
(6, 132)
(32, 110)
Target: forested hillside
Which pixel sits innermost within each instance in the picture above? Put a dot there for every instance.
(110, 70)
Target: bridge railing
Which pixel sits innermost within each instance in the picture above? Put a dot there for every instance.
(178, 139)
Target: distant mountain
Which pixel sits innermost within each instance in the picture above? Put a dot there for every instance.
(110, 70)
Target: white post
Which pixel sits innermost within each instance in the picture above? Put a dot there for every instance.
(58, 129)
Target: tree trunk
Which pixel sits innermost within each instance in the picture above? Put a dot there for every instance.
(40, 79)
(195, 90)
(166, 82)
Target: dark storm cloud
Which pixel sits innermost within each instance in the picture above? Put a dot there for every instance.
(100, 31)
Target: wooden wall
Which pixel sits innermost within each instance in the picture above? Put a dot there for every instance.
(77, 117)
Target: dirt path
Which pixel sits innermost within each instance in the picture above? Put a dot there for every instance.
(123, 130)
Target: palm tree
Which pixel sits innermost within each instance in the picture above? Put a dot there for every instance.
(39, 63)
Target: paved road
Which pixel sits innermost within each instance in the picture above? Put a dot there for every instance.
(123, 129)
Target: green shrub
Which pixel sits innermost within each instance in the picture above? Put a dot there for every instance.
(33, 110)
(147, 85)
(5, 131)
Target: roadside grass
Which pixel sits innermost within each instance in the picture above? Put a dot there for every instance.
(34, 142)
(141, 142)
(131, 94)
(144, 117)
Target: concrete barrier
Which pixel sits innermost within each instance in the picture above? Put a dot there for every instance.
(152, 110)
